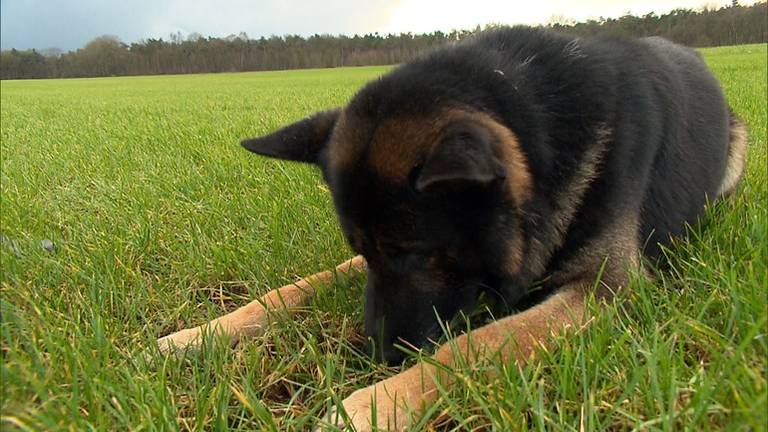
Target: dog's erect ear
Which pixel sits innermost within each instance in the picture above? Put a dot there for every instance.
(463, 156)
(301, 141)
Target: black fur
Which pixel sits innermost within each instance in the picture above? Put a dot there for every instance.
(303, 141)
(653, 106)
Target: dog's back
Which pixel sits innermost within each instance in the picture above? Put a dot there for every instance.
(702, 155)
(674, 143)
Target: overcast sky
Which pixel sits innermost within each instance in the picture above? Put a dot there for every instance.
(69, 24)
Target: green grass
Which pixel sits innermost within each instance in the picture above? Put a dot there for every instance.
(161, 221)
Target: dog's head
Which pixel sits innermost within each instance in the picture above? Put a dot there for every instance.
(427, 188)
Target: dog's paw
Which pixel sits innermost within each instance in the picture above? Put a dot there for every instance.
(368, 409)
(331, 421)
(187, 340)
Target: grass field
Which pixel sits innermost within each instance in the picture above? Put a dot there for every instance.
(159, 221)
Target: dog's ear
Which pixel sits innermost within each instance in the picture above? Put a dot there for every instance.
(463, 156)
(302, 141)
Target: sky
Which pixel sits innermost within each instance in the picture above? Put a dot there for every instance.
(70, 24)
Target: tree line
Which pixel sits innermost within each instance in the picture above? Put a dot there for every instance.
(108, 56)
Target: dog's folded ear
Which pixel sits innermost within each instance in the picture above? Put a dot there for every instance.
(302, 141)
(464, 156)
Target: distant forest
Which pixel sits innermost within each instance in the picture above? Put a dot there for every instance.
(108, 56)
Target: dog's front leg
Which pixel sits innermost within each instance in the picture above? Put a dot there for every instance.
(250, 319)
(517, 336)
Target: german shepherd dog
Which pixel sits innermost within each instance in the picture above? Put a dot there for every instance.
(518, 158)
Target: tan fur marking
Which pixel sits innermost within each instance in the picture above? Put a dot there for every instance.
(518, 174)
(348, 140)
(401, 144)
(515, 247)
(589, 168)
(737, 157)
(617, 250)
(250, 319)
(519, 336)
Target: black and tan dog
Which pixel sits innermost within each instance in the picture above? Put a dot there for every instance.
(515, 158)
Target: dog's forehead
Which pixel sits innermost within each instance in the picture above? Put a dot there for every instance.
(391, 147)
(401, 143)
(387, 147)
